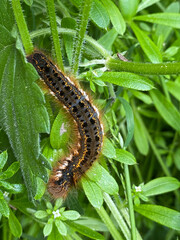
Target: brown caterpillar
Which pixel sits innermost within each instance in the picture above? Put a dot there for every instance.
(70, 169)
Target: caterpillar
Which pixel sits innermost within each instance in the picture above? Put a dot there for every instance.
(69, 170)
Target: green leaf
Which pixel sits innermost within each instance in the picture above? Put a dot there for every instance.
(14, 225)
(100, 83)
(1, 195)
(55, 235)
(17, 188)
(146, 3)
(49, 205)
(148, 46)
(140, 137)
(115, 16)
(128, 8)
(3, 159)
(127, 80)
(125, 157)
(93, 192)
(108, 149)
(108, 183)
(142, 96)
(174, 89)
(58, 203)
(41, 214)
(51, 154)
(28, 2)
(92, 86)
(163, 32)
(21, 101)
(61, 227)
(23, 112)
(129, 119)
(95, 172)
(47, 229)
(71, 215)
(12, 169)
(41, 188)
(99, 14)
(12, 188)
(4, 208)
(167, 19)
(160, 185)
(61, 131)
(177, 158)
(93, 223)
(108, 39)
(85, 231)
(166, 109)
(162, 215)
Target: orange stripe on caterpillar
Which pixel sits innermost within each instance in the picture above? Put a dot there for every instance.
(70, 169)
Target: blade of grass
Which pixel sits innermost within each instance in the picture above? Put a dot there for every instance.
(117, 215)
(106, 219)
(54, 31)
(27, 43)
(130, 202)
(80, 33)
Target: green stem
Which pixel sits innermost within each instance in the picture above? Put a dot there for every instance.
(123, 209)
(117, 215)
(26, 40)
(81, 33)
(72, 32)
(106, 219)
(54, 32)
(143, 68)
(130, 202)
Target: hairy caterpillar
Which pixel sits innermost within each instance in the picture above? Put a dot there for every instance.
(69, 170)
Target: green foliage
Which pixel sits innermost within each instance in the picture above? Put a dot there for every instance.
(139, 107)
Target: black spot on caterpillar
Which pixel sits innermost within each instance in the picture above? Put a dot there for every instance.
(69, 170)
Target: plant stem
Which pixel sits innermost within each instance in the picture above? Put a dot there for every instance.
(130, 202)
(26, 40)
(80, 33)
(106, 219)
(117, 215)
(143, 68)
(125, 213)
(54, 32)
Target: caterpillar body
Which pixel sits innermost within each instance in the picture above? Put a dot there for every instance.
(69, 170)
